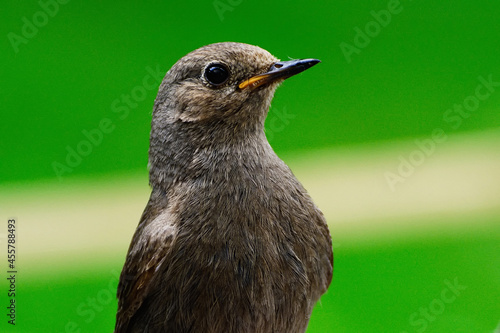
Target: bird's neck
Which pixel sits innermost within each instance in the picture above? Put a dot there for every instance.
(180, 153)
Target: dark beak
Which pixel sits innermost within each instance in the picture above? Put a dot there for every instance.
(279, 71)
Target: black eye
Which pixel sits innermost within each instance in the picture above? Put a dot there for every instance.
(216, 74)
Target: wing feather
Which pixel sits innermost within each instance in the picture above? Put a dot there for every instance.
(149, 247)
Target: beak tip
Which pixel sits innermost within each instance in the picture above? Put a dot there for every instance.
(311, 62)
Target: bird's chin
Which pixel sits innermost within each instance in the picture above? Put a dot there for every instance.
(267, 89)
(260, 99)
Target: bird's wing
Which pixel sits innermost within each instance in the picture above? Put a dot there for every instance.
(326, 250)
(330, 257)
(149, 248)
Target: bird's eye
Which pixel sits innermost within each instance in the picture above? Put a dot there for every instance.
(216, 74)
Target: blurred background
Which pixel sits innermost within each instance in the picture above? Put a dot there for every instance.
(396, 135)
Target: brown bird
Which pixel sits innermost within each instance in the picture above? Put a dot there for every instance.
(229, 241)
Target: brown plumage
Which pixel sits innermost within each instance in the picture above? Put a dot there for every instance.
(229, 241)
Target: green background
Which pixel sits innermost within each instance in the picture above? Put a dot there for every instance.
(64, 79)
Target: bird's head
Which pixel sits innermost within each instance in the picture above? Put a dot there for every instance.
(211, 106)
(225, 83)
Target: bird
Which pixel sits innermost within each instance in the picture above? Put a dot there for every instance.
(229, 241)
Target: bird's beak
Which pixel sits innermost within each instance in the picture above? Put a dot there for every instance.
(279, 70)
